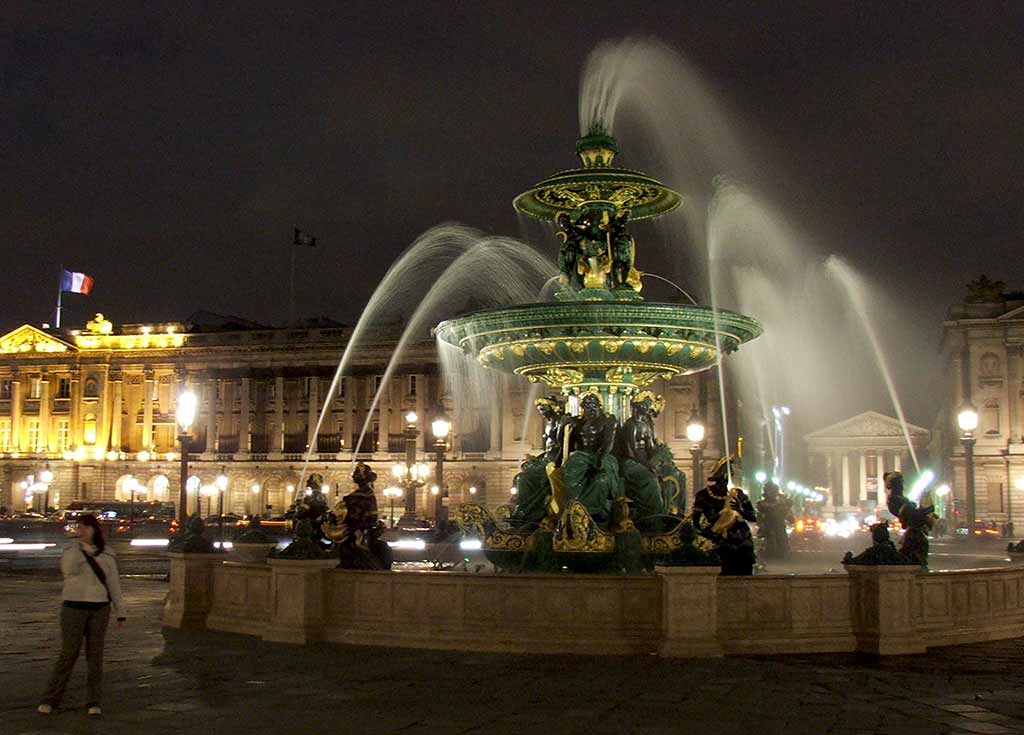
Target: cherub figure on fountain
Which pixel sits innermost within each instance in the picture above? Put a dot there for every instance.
(355, 527)
(917, 519)
(311, 506)
(636, 444)
(774, 512)
(533, 488)
(721, 514)
(590, 473)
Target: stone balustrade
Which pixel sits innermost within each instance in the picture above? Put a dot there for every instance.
(678, 612)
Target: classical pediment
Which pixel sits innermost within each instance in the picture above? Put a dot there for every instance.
(868, 425)
(28, 339)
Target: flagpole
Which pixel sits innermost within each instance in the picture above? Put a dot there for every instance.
(291, 290)
(60, 292)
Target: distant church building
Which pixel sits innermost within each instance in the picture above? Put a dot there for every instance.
(850, 458)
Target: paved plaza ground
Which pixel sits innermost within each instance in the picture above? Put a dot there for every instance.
(164, 681)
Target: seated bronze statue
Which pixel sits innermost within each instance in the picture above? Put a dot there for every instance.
(533, 488)
(590, 473)
(636, 447)
(355, 527)
(721, 514)
(311, 506)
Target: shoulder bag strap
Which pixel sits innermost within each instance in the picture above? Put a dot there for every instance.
(98, 571)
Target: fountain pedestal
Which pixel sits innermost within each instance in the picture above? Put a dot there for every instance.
(883, 604)
(689, 612)
(297, 600)
(190, 594)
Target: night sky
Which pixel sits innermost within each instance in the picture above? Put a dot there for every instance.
(169, 154)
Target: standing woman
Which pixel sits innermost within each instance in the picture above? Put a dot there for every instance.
(91, 588)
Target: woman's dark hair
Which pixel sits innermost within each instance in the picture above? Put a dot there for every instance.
(88, 519)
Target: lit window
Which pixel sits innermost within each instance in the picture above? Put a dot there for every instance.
(35, 388)
(412, 385)
(34, 437)
(63, 435)
(6, 388)
(89, 429)
(5, 434)
(64, 388)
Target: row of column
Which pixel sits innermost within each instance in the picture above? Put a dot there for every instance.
(846, 492)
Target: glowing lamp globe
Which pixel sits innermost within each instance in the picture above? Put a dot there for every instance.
(186, 413)
(967, 419)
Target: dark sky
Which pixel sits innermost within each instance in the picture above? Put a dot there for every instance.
(169, 153)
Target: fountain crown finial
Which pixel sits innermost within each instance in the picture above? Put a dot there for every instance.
(597, 148)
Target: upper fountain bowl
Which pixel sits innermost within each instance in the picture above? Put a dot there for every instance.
(597, 181)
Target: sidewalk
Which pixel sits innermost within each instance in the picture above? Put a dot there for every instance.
(166, 682)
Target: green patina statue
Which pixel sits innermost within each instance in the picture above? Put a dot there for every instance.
(590, 473)
(597, 252)
(533, 488)
(636, 448)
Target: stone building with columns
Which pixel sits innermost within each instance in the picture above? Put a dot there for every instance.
(849, 459)
(96, 407)
(983, 357)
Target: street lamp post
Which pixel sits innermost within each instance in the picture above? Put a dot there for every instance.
(222, 487)
(440, 428)
(46, 477)
(185, 416)
(967, 420)
(695, 433)
(391, 493)
(411, 434)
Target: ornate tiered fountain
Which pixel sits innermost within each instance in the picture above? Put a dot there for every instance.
(605, 493)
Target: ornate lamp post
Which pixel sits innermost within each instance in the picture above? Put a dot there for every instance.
(257, 499)
(967, 420)
(391, 493)
(46, 477)
(186, 416)
(695, 433)
(222, 487)
(410, 478)
(440, 427)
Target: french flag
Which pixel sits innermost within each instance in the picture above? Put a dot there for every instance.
(72, 282)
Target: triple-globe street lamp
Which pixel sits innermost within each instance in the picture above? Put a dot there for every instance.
(440, 427)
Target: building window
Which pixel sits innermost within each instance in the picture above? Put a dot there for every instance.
(89, 429)
(6, 388)
(412, 386)
(5, 434)
(272, 390)
(994, 490)
(378, 381)
(307, 387)
(341, 387)
(990, 418)
(34, 437)
(64, 388)
(63, 434)
(35, 389)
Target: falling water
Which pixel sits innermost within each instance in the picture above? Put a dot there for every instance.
(406, 281)
(493, 271)
(855, 290)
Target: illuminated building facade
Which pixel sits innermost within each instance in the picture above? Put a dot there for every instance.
(983, 354)
(97, 408)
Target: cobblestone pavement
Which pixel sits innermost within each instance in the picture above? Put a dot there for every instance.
(164, 682)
